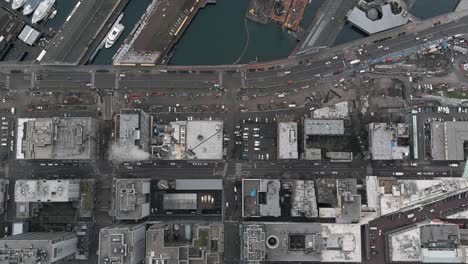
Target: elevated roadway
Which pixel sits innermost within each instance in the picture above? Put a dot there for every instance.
(301, 70)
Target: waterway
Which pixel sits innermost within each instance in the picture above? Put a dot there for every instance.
(132, 14)
(63, 11)
(424, 9)
(217, 35)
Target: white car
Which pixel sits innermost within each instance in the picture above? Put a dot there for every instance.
(335, 57)
(327, 63)
(379, 47)
(386, 48)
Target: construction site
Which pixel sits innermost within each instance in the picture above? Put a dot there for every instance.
(288, 13)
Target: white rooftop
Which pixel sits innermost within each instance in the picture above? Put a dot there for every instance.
(411, 193)
(405, 245)
(383, 140)
(339, 110)
(349, 236)
(47, 190)
(204, 140)
(389, 20)
(323, 126)
(287, 140)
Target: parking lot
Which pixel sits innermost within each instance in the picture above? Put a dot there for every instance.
(427, 115)
(256, 139)
(7, 139)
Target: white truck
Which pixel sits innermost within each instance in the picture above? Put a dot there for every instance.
(354, 62)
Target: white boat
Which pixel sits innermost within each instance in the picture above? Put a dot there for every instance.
(17, 4)
(42, 10)
(30, 6)
(113, 35)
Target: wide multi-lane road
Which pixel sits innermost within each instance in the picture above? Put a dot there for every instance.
(294, 72)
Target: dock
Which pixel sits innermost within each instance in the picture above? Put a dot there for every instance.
(295, 15)
(259, 10)
(282, 6)
(157, 31)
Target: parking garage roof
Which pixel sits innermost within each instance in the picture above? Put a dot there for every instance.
(447, 140)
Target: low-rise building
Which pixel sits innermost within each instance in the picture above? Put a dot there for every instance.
(47, 190)
(300, 242)
(37, 247)
(448, 140)
(260, 198)
(337, 111)
(57, 138)
(287, 140)
(184, 242)
(390, 195)
(326, 137)
(339, 199)
(123, 244)
(29, 35)
(327, 127)
(389, 141)
(132, 199)
(427, 242)
(133, 128)
(303, 199)
(190, 140)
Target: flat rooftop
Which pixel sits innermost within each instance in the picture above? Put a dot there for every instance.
(448, 139)
(303, 200)
(134, 128)
(29, 35)
(389, 20)
(123, 244)
(323, 126)
(204, 140)
(37, 247)
(411, 244)
(180, 201)
(57, 138)
(260, 198)
(393, 194)
(314, 242)
(388, 141)
(287, 140)
(339, 110)
(132, 201)
(47, 190)
(184, 242)
(199, 184)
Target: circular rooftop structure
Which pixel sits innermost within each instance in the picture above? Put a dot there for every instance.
(272, 242)
(373, 14)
